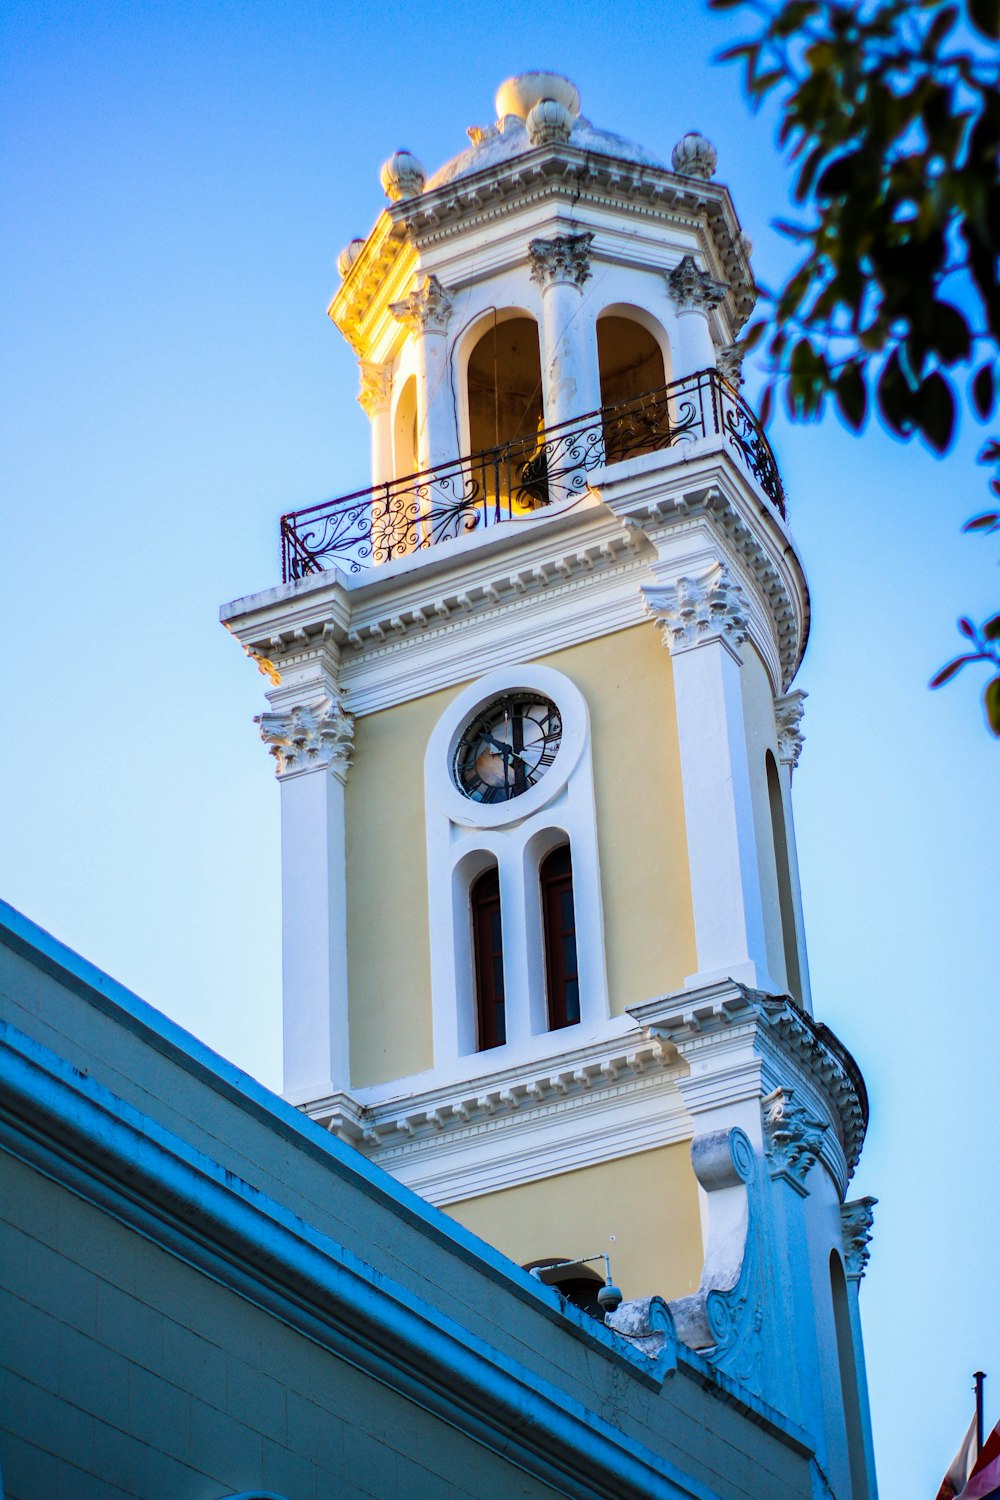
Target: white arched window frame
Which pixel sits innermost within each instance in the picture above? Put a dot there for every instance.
(464, 838)
(646, 320)
(478, 324)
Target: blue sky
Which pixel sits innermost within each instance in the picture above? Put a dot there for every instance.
(177, 181)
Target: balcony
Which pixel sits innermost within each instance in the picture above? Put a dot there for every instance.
(506, 484)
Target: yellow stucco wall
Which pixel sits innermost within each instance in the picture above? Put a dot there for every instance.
(627, 681)
(649, 1202)
(388, 947)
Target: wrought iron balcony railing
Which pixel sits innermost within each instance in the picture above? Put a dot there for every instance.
(510, 482)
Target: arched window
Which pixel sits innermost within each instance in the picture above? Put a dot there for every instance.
(487, 947)
(404, 431)
(779, 834)
(631, 365)
(562, 979)
(854, 1428)
(505, 385)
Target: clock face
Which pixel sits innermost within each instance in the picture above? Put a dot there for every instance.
(507, 748)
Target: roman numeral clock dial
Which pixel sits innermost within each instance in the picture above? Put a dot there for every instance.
(507, 748)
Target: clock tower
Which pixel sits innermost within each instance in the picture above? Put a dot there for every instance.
(532, 716)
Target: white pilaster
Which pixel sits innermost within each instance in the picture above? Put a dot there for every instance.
(788, 717)
(374, 399)
(425, 312)
(694, 295)
(703, 620)
(311, 745)
(569, 369)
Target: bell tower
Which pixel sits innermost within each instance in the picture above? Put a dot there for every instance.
(532, 716)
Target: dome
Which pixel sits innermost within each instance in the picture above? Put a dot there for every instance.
(524, 108)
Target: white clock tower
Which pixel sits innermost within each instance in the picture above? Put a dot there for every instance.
(532, 714)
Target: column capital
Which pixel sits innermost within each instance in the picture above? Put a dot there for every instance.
(696, 611)
(310, 737)
(729, 363)
(427, 308)
(692, 290)
(856, 1221)
(793, 1139)
(376, 387)
(788, 713)
(564, 259)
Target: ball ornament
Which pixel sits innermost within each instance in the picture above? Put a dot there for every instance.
(349, 255)
(548, 122)
(694, 156)
(402, 176)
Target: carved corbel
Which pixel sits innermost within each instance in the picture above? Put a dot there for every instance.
(856, 1220)
(787, 718)
(376, 387)
(427, 308)
(729, 363)
(310, 737)
(793, 1139)
(692, 290)
(566, 258)
(696, 611)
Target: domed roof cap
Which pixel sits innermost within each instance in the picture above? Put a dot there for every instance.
(519, 95)
(536, 109)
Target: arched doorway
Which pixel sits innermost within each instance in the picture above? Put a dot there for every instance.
(630, 361)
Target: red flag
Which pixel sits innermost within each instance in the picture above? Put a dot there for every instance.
(960, 1468)
(984, 1481)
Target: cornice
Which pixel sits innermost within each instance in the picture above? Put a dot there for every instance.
(564, 172)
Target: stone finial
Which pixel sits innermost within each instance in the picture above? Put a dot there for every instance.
(788, 713)
(694, 156)
(691, 289)
(793, 1139)
(376, 387)
(427, 308)
(402, 176)
(566, 258)
(856, 1227)
(729, 363)
(696, 611)
(549, 123)
(310, 737)
(349, 255)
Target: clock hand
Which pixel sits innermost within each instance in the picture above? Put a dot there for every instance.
(507, 750)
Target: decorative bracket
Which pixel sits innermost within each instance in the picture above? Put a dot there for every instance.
(787, 717)
(376, 387)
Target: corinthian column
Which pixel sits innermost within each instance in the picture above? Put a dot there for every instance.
(694, 295)
(703, 622)
(570, 383)
(311, 745)
(425, 313)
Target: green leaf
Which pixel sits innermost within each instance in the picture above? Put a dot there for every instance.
(988, 521)
(936, 411)
(895, 399)
(950, 332)
(967, 628)
(851, 395)
(985, 15)
(983, 392)
(991, 630)
(991, 703)
(947, 673)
